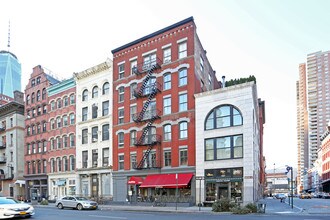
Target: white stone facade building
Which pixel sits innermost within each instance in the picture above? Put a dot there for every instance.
(94, 131)
(228, 144)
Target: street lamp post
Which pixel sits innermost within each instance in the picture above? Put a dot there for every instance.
(288, 169)
(200, 178)
(176, 192)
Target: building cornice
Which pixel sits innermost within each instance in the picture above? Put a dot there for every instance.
(93, 70)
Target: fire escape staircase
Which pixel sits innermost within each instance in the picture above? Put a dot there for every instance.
(147, 90)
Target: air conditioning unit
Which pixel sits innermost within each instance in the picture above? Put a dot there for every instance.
(95, 139)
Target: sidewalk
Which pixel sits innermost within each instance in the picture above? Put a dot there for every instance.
(274, 206)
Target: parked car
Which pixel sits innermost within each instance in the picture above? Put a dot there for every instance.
(11, 208)
(305, 196)
(280, 196)
(325, 195)
(76, 203)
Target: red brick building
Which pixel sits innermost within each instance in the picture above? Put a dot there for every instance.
(154, 82)
(36, 133)
(62, 139)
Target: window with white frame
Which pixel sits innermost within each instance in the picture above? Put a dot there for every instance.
(183, 77)
(183, 130)
(183, 156)
(121, 94)
(182, 50)
(120, 162)
(84, 159)
(72, 163)
(133, 65)
(58, 141)
(132, 137)
(106, 88)
(95, 92)
(167, 158)
(121, 116)
(133, 87)
(52, 106)
(52, 124)
(105, 157)
(59, 164)
(183, 102)
(201, 62)
(105, 108)
(94, 110)
(59, 103)
(133, 160)
(84, 113)
(95, 156)
(72, 99)
(65, 120)
(72, 140)
(65, 164)
(85, 95)
(72, 119)
(167, 81)
(66, 101)
(121, 71)
(167, 132)
(167, 105)
(84, 136)
(105, 132)
(167, 55)
(95, 131)
(149, 60)
(120, 139)
(65, 141)
(132, 113)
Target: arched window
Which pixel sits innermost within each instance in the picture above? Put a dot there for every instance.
(59, 103)
(65, 164)
(167, 132)
(59, 164)
(52, 165)
(72, 140)
(32, 97)
(183, 130)
(95, 92)
(38, 95)
(27, 99)
(72, 163)
(43, 94)
(85, 95)
(105, 89)
(222, 117)
(72, 119)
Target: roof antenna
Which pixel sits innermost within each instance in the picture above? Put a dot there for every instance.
(8, 35)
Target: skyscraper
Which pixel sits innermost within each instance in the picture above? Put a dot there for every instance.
(10, 73)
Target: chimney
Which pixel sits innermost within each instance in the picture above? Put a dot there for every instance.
(223, 81)
(18, 97)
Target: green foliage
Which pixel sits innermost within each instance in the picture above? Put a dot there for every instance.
(252, 207)
(241, 80)
(240, 211)
(222, 205)
(44, 202)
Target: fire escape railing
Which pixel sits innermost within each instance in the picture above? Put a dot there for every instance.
(149, 90)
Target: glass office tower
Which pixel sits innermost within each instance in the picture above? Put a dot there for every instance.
(10, 73)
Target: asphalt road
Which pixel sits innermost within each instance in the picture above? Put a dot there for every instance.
(51, 213)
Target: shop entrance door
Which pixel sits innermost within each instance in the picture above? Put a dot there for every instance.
(223, 192)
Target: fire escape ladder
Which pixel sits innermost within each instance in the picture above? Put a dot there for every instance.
(145, 81)
(144, 158)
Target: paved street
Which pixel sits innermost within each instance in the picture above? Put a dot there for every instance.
(314, 209)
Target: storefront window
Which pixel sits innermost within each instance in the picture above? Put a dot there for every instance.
(210, 192)
(236, 191)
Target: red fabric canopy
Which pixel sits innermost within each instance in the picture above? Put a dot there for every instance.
(167, 180)
(135, 180)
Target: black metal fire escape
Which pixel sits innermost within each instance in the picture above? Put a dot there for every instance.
(149, 90)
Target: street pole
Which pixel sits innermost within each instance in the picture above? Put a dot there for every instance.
(291, 188)
(176, 192)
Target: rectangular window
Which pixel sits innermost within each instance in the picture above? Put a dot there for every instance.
(148, 61)
(202, 64)
(66, 101)
(167, 105)
(120, 162)
(105, 157)
(167, 81)
(105, 132)
(133, 87)
(120, 139)
(167, 55)
(182, 50)
(94, 134)
(121, 71)
(105, 108)
(121, 94)
(183, 157)
(120, 116)
(167, 158)
(133, 161)
(94, 110)
(85, 159)
(132, 138)
(84, 135)
(58, 141)
(133, 65)
(229, 147)
(133, 113)
(183, 102)
(94, 157)
(72, 140)
(84, 114)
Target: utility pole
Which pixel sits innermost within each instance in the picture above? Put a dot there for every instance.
(288, 169)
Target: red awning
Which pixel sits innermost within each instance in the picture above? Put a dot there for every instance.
(167, 180)
(135, 180)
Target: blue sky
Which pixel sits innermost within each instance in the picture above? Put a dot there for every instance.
(265, 38)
